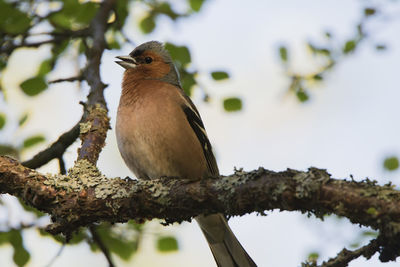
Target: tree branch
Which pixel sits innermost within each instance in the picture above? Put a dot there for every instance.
(97, 121)
(86, 196)
(55, 150)
(346, 256)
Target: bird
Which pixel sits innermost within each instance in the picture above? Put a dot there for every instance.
(160, 133)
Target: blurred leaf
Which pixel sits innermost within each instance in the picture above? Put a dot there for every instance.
(179, 54)
(45, 67)
(355, 245)
(232, 104)
(116, 242)
(21, 255)
(349, 46)
(74, 15)
(2, 120)
(147, 24)
(58, 48)
(7, 150)
(4, 237)
(372, 211)
(319, 50)
(33, 86)
(33, 140)
(313, 256)
(114, 45)
(369, 11)
(391, 163)
(58, 238)
(13, 20)
(167, 244)
(196, 5)
(165, 8)
(318, 77)
(283, 53)
(380, 47)
(328, 34)
(23, 119)
(188, 81)
(219, 75)
(111, 38)
(302, 96)
(121, 10)
(31, 209)
(370, 233)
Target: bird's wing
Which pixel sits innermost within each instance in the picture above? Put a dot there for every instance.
(194, 119)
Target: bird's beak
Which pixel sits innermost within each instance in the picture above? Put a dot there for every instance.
(127, 62)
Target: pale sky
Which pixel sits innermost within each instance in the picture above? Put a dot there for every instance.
(348, 127)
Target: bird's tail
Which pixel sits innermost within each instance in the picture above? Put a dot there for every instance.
(225, 248)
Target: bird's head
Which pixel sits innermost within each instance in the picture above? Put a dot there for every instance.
(150, 61)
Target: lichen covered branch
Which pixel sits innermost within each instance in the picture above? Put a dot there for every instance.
(97, 120)
(86, 196)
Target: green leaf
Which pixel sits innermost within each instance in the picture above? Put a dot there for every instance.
(219, 75)
(2, 120)
(283, 53)
(74, 15)
(23, 119)
(33, 140)
(31, 209)
(13, 20)
(121, 10)
(45, 67)
(372, 211)
(318, 77)
(302, 96)
(349, 46)
(165, 8)
(380, 47)
(369, 11)
(147, 24)
(7, 150)
(370, 233)
(180, 54)
(313, 256)
(232, 104)
(117, 242)
(33, 86)
(167, 244)
(188, 81)
(391, 163)
(196, 5)
(328, 34)
(21, 255)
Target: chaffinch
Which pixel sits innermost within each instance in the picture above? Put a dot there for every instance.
(160, 133)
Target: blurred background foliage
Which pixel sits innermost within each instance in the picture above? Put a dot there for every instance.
(64, 25)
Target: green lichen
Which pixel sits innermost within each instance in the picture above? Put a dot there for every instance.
(309, 183)
(158, 189)
(85, 175)
(84, 127)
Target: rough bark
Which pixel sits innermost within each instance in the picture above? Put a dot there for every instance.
(86, 196)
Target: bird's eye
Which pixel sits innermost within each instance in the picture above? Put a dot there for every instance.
(148, 60)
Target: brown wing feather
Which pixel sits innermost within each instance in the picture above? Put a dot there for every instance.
(197, 125)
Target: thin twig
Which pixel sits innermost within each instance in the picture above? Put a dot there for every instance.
(61, 164)
(101, 245)
(70, 79)
(56, 150)
(56, 256)
(345, 256)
